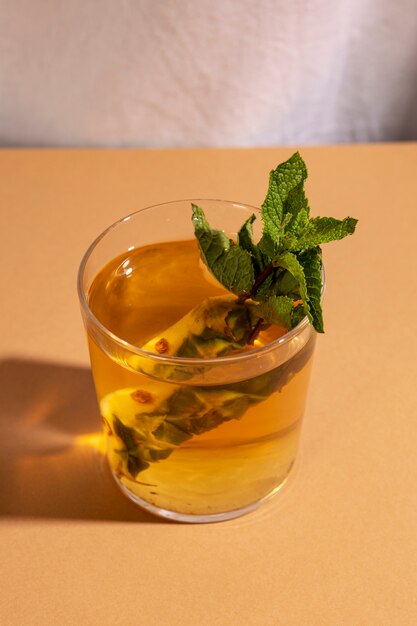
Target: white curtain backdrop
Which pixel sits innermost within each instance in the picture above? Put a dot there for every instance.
(207, 72)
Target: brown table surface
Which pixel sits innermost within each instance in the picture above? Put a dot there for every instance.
(339, 544)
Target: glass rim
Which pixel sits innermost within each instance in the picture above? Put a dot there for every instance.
(178, 360)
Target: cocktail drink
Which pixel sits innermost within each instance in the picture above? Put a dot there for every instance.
(201, 394)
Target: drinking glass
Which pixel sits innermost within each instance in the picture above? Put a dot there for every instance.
(244, 410)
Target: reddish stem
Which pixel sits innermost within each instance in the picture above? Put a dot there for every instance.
(255, 332)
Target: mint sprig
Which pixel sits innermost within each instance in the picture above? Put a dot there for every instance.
(283, 271)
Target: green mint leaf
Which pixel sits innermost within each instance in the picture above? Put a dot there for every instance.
(272, 211)
(268, 245)
(134, 461)
(297, 226)
(297, 315)
(289, 261)
(125, 433)
(284, 195)
(286, 284)
(229, 263)
(245, 241)
(277, 310)
(136, 464)
(312, 264)
(297, 199)
(320, 230)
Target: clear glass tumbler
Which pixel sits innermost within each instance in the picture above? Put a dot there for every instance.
(189, 439)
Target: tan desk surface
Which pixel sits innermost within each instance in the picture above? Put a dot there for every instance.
(338, 546)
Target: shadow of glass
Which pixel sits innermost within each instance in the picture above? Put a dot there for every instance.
(52, 463)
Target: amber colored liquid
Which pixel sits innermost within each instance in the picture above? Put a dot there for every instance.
(232, 466)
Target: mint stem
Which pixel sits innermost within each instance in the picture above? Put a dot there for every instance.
(255, 332)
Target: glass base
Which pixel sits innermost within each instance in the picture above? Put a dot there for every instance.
(176, 516)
